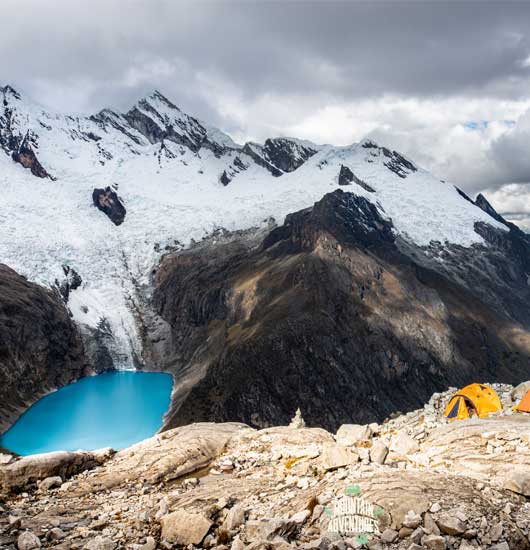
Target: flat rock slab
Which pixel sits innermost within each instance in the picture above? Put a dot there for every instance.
(33, 468)
(166, 456)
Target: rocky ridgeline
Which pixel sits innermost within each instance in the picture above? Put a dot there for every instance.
(432, 484)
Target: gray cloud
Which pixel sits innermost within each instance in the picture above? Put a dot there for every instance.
(410, 73)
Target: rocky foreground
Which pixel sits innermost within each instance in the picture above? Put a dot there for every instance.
(433, 484)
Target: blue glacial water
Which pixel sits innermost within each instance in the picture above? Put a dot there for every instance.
(114, 409)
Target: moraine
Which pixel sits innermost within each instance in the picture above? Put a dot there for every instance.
(114, 409)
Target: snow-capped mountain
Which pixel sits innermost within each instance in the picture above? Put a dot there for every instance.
(179, 181)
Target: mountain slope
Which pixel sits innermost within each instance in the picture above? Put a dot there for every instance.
(329, 313)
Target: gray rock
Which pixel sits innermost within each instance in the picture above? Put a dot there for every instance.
(337, 456)
(430, 525)
(389, 536)
(55, 534)
(450, 525)
(518, 482)
(183, 528)
(150, 544)
(403, 445)
(434, 542)
(518, 392)
(378, 452)
(234, 518)
(412, 520)
(351, 434)
(50, 483)
(28, 541)
(100, 543)
(500, 546)
(300, 517)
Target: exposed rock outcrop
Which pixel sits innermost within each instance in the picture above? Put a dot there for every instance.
(110, 204)
(328, 312)
(227, 485)
(40, 347)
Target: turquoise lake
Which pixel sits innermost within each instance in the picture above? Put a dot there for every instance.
(114, 409)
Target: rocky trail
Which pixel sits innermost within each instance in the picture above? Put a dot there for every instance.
(429, 484)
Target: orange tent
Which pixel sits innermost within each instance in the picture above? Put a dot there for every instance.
(524, 404)
(473, 400)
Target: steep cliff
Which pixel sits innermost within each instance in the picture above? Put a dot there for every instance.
(40, 347)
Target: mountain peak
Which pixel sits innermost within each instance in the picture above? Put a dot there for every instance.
(158, 100)
(9, 90)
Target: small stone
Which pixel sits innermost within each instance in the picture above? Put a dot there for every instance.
(412, 520)
(405, 532)
(434, 542)
(100, 543)
(28, 541)
(55, 534)
(414, 546)
(417, 535)
(300, 517)
(150, 544)
(430, 525)
(435, 508)
(450, 525)
(50, 483)
(496, 532)
(237, 544)
(500, 546)
(389, 536)
(181, 527)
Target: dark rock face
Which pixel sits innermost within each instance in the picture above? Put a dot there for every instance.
(287, 154)
(21, 147)
(25, 156)
(329, 313)
(40, 347)
(71, 281)
(279, 155)
(347, 177)
(108, 202)
(257, 154)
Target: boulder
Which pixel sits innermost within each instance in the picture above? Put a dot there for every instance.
(337, 456)
(110, 204)
(234, 518)
(183, 528)
(403, 445)
(46, 466)
(434, 542)
(518, 392)
(50, 482)
(28, 541)
(378, 452)
(389, 536)
(518, 482)
(450, 525)
(351, 434)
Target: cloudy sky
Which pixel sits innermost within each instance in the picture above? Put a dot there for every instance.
(446, 82)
